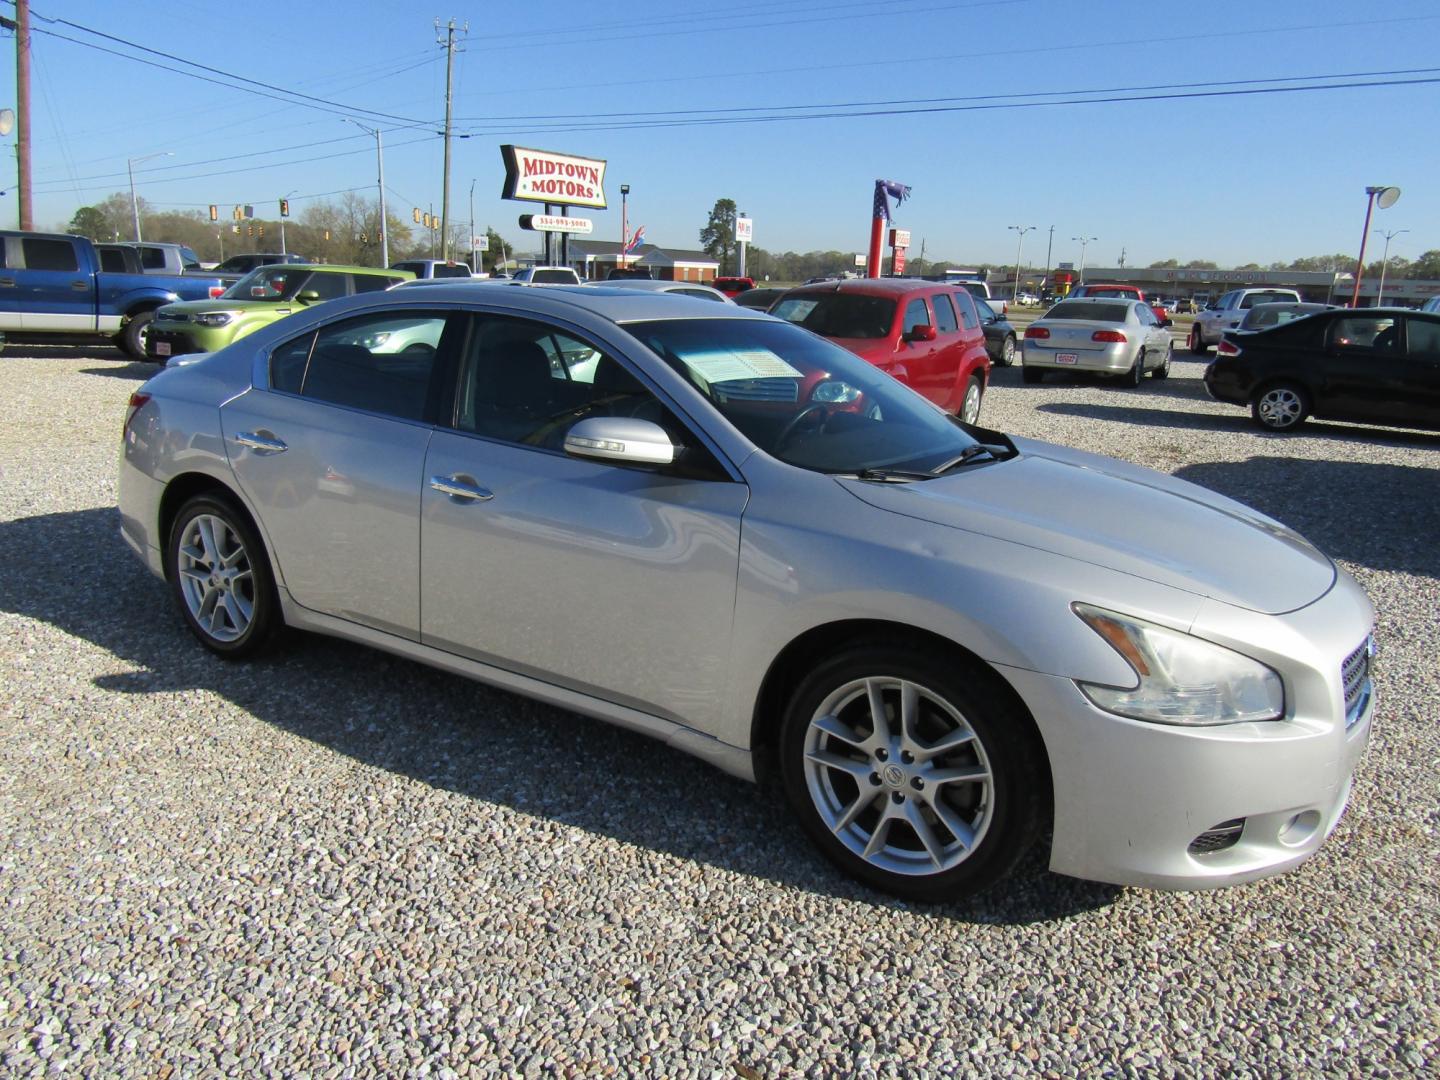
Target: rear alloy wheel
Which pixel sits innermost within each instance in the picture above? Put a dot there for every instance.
(135, 335)
(1163, 371)
(970, 408)
(1281, 407)
(1131, 378)
(1007, 351)
(910, 774)
(1032, 375)
(1197, 341)
(221, 578)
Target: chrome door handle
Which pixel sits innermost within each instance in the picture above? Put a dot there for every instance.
(460, 488)
(260, 444)
(79, 286)
(7, 283)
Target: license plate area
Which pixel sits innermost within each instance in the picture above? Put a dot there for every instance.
(1067, 358)
(162, 348)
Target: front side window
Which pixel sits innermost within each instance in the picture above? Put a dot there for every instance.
(987, 313)
(839, 315)
(804, 400)
(112, 260)
(324, 286)
(916, 314)
(1364, 332)
(944, 314)
(152, 258)
(380, 363)
(272, 283)
(189, 260)
(49, 254)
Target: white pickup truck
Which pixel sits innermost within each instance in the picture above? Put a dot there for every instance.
(1227, 312)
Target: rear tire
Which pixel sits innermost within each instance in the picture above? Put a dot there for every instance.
(220, 577)
(1163, 371)
(1132, 378)
(970, 407)
(1032, 375)
(136, 333)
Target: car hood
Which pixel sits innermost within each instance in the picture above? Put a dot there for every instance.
(197, 307)
(1122, 517)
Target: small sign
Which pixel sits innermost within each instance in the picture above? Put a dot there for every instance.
(899, 238)
(744, 230)
(548, 177)
(859, 260)
(480, 243)
(899, 260)
(1065, 266)
(554, 223)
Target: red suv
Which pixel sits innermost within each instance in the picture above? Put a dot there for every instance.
(926, 334)
(734, 286)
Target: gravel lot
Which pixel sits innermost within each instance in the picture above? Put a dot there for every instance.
(336, 863)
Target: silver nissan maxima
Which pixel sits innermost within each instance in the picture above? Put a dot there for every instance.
(713, 527)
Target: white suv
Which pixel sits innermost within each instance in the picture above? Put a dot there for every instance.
(1226, 313)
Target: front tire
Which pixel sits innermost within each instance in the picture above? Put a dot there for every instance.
(220, 578)
(914, 774)
(1280, 407)
(135, 335)
(970, 407)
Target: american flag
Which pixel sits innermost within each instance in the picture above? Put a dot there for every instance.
(898, 192)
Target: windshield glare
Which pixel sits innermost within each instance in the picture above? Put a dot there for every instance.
(803, 400)
(839, 315)
(279, 282)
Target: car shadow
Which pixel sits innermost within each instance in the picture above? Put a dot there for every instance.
(1240, 421)
(456, 734)
(1375, 515)
(134, 370)
(24, 350)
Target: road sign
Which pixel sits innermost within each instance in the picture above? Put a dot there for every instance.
(555, 223)
(480, 243)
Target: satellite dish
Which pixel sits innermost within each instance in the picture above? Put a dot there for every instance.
(7, 121)
(1387, 197)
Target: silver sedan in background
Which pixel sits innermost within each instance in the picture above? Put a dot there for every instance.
(1105, 335)
(718, 529)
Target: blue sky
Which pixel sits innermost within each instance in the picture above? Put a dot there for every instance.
(1230, 178)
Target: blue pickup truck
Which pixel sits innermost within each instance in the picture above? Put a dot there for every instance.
(52, 287)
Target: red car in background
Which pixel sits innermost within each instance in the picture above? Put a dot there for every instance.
(926, 334)
(1120, 292)
(733, 286)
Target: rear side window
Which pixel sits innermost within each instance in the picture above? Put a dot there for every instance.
(944, 314)
(152, 258)
(1423, 339)
(112, 261)
(1364, 332)
(49, 254)
(916, 314)
(969, 316)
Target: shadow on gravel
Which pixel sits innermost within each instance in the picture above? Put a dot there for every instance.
(1184, 389)
(1385, 517)
(1241, 422)
(134, 369)
(27, 351)
(455, 734)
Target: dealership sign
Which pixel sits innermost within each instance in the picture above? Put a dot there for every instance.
(552, 223)
(544, 176)
(744, 230)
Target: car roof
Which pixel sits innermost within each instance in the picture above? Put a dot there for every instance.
(607, 301)
(657, 285)
(337, 268)
(873, 286)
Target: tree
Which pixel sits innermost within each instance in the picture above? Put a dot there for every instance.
(88, 221)
(1166, 264)
(1427, 266)
(1200, 264)
(718, 236)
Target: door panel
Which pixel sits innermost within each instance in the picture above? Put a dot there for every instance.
(53, 292)
(610, 580)
(1365, 370)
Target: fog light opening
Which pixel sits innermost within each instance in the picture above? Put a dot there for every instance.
(1222, 836)
(1300, 828)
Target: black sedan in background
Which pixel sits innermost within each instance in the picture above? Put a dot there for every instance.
(999, 334)
(759, 298)
(1369, 366)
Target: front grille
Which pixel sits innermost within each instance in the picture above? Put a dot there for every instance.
(758, 390)
(1222, 836)
(171, 316)
(1355, 677)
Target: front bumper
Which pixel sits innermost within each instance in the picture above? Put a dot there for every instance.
(170, 340)
(1132, 797)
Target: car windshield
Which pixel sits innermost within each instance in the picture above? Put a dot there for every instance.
(553, 277)
(1067, 309)
(805, 401)
(273, 283)
(839, 315)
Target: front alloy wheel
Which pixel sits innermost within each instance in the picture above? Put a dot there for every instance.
(910, 777)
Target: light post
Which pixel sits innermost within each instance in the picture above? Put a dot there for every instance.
(473, 268)
(1083, 241)
(1022, 230)
(1384, 196)
(1385, 262)
(1049, 250)
(624, 222)
(380, 164)
(135, 203)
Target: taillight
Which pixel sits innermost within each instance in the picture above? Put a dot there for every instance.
(1227, 348)
(217, 291)
(1037, 332)
(137, 399)
(1109, 335)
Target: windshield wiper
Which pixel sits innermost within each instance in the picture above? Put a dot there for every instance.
(894, 476)
(964, 458)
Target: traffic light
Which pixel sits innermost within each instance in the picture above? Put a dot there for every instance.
(214, 212)
(237, 214)
(327, 234)
(364, 239)
(429, 221)
(260, 230)
(417, 215)
(249, 230)
(284, 207)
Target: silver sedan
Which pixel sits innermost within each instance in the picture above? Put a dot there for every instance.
(1100, 334)
(714, 527)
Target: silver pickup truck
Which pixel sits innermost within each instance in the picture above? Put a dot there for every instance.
(1227, 312)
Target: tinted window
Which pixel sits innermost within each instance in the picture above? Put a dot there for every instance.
(189, 260)
(554, 277)
(112, 260)
(373, 282)
(976, 288)
(452, 271)
(418, 269)
(916, 314)
(1364, 332)
(49, 254)
(1088, 309)
(380, 363)
(152, 258)
(1267, 298)
(1423, 338)
(987, 313)
(944, 314)
(327, 286)
(839, 315)
(528, 383)
(969, 314)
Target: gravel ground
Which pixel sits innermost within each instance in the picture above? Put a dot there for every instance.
(335, 863)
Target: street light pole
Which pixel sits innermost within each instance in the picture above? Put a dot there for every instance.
(1385, 196)
(134, 202)
(1049, 249)
(380, 164)
(1015, 288)
(473, 268)
(1083, 241)
(624, 222)
(1385, 262)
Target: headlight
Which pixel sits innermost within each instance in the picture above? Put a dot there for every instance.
(1181, 679)
(834, 391)
(214, 318)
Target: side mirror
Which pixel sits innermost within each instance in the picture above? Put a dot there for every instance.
(620, 438)
(308, 296)
(920, 333)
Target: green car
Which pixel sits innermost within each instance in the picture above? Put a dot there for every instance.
(259, 298)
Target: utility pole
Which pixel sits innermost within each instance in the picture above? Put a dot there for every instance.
(449, 42)
(380, 166)
(1045, 284)
(21, 26)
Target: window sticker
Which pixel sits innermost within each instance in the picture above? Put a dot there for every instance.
(730, 365)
